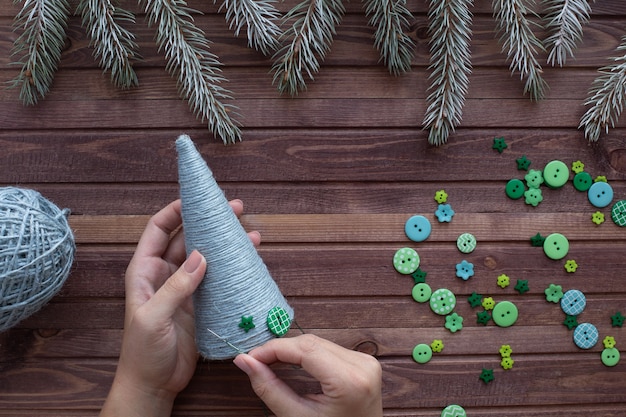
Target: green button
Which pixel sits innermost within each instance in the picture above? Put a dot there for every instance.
(406, 261)
(442, 301)
(555, 174)
(504, 314)
(583, 181)
(556, 246)
(610, 357)
(278, 321)
(422, 292)
(618, 213)
(453, 411)
(514, 189)
(466, 243)
(422, 353)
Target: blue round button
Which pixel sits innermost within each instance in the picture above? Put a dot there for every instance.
(600, 194)
(573, 302)
(417, 228)
(585, 335)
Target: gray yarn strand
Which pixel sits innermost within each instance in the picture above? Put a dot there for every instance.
(237, 282)
(36, 253)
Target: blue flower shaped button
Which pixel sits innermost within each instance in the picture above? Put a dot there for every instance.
(585, 335)
(444, 213)
(573, 302)
(417, 228)
(465, 270)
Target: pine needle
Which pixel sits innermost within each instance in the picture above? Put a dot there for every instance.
(259, 17)
(606, 97)
(390, 18)
(195, 67)
(564, 22)
(113, 45)
(309, 37)
(520, 44)
(43, 24)
(450, 65)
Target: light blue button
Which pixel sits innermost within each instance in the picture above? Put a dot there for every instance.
(573, 302)
(600, 194)
(585, 335)
(417, 228)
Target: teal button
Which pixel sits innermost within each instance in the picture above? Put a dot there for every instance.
(600, 194)
(585, 335)
(556, 246)
(422, 353)
(573, 302)
(421, 292)
(610, 356)
(555, 174)
(504, 314)
(417, 228)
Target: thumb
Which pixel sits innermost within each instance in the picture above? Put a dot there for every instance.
(273, 391)
(179, 286)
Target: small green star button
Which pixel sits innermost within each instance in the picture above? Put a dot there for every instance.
(570, 322)
(521, 286)
(475, 299)
(499, 144)
(523, 163)
(617, 319)
(537, 240)
(419, 276)
(483, 317)
(246, 323)
(486, 375)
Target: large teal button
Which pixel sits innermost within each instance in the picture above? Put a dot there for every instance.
(555, 174)
(618, 213)
(585, 335)
(573, 302)
(610, 356)
(600, 194)
(422, 353)
(442, 301)
(504, 314)
(556, 246)
(406, 261)
(417, 228)
(582, 181)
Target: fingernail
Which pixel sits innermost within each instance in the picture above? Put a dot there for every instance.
(241, 363)
(193, 262)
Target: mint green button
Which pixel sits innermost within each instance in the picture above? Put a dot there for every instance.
(453, 411)
(422, 353)
(442, 301)
(504, 314)
(610, 357)
(421, 292)
(556, 246)
(406, 261)
(555, 174)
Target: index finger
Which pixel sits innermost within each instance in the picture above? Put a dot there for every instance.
(156, 236)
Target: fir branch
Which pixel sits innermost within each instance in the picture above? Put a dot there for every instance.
(258, 16)
(113, 45)
(390, 18)
(43, 24)
(606, 96)
(314, 23)
(195, 67)
(564, 22)
(450, 65)
(520, 44)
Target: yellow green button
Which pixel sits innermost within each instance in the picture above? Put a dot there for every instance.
(422, 353)
(556, 246)
(555, 174)
(504, 314)
(610, 356)
(421, 292)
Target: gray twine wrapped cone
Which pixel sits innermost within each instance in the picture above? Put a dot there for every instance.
(238, 306)
(36, 253)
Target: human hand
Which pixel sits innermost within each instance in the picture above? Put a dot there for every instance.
(350, 381)
(158, 355)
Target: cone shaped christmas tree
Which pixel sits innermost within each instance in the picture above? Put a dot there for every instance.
(238, 306)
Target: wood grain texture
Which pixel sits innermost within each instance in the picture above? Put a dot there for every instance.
(329, 178)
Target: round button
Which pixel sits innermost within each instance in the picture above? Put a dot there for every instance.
(583, 181)
(504, 314)
(514, 189)
(555, 174)
(417, 228)
(421, 292)
(556, 246)
(406, 261)
(466, 243)
(610, 356)
(618, 213)
(600, 194)
(573, 302)
(422, 353)
(453, 411)
(442, 301)
(278, 321)
(585, 335)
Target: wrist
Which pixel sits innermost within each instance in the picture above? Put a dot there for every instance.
(129, 399)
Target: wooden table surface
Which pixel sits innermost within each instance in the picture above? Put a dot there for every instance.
(329, 179)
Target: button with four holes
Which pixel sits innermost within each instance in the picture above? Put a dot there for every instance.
(417, 228)
(555, 174)
(600, 194)
(556, 246)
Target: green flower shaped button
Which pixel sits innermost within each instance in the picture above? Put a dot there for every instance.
(534, 178)
(554, 293)
(454, 322)
(533, 197)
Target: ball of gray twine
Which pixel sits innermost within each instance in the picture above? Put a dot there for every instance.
(36, 253)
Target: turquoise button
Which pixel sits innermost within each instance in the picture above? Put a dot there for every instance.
(417, 228)
(556, 246)
(422, 353)
(573, 302)
(555, 174)
(585, 335)
(504, 314)
(600, 194)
